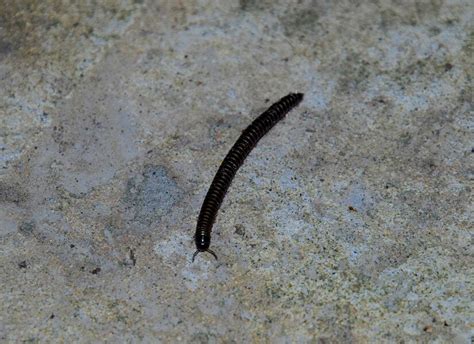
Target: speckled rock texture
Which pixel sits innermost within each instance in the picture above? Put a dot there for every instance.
(350, 222)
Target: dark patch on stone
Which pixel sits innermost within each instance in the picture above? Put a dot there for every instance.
(5, 48)
(240, 229)
(27, 227)
(428, 165)
(152, 195)
(304, 21)
(22, 265)
(448, 67)
(255, 5)
(246, 4)
(132, 257)
(355, 72)
(390, 18)
(412, 14)
(44, 117)
(95, 271)
(11, 193)
(405, 138)
(202, 338)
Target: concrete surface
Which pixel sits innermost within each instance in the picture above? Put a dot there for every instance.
(350, 222)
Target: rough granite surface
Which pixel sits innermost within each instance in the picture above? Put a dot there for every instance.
(350, 222)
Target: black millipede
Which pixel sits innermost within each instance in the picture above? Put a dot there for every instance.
(233, 160)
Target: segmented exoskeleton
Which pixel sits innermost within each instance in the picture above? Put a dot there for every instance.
(233, 160)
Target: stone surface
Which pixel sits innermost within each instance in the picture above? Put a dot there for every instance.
(351, 221)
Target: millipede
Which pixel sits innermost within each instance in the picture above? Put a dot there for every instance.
(232, 162)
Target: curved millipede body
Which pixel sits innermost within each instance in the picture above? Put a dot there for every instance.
(233, 160)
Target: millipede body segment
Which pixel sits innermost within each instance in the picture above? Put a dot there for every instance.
(233, 160)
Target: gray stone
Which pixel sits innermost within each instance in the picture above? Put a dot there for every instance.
(351, 221)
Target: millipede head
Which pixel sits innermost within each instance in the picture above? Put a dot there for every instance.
(202, 241)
